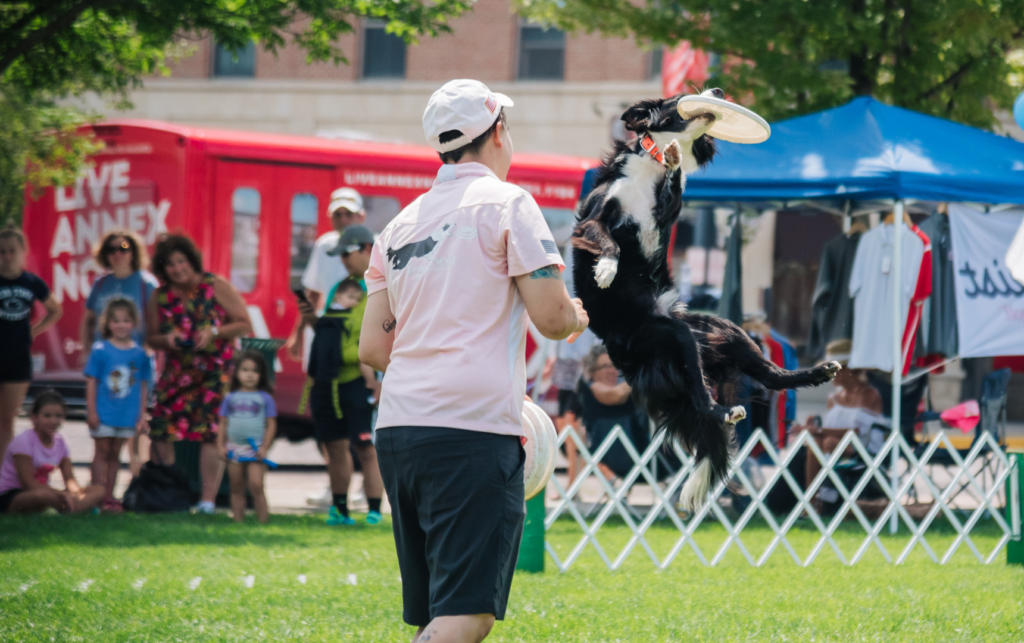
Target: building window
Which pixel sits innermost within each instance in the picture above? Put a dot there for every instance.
(245, 241)
(654, 69)
(234, 64)
(383, 53)
(304, 209)
(541, 53)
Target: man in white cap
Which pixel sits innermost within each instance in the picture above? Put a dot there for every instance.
(450, 284)
(323, 271)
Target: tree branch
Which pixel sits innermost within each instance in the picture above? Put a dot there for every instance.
(48, 31)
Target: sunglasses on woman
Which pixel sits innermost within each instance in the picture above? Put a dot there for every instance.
(124, 246)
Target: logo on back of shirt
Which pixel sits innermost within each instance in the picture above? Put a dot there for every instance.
(400, 257)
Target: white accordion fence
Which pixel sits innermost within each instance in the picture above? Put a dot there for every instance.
(980, 475)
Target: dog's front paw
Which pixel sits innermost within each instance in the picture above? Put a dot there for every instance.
(735, 414)
(831, 370)
(673, 156)
(604, 271)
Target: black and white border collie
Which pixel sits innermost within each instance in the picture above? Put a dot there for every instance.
(677, 363)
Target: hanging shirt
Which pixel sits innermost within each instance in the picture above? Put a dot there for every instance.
(871, 286)
(938, 334)
(831, 304)
(922, 291)
(448, 262)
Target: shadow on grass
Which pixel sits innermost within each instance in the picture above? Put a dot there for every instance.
(149, 530)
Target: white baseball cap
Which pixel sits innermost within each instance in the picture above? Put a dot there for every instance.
(462, 105)
(345, 198)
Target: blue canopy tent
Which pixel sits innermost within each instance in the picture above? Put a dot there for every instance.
(868, 151)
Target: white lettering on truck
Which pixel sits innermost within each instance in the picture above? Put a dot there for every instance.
(99, 201)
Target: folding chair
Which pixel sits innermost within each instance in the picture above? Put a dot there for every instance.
(993, 421)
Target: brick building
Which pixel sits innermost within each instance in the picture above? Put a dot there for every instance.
(569, 89)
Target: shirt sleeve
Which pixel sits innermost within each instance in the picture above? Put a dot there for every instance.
(375, 277)
(94, 367)
(94, 294)
(528, 241)
(223, 412)
(857, 270)
(269, 406)
(62, 444)
(39, 288)
(310, 275)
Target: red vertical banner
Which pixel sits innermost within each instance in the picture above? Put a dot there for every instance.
(681, 65)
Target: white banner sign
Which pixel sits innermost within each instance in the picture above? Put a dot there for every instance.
(989, 301)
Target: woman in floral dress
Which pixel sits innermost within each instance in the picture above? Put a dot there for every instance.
(194, 317)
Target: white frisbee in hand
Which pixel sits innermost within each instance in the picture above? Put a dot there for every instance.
(539, 444)
(733, 123)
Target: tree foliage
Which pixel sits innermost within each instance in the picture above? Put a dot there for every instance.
(50, 49)
(949, 58)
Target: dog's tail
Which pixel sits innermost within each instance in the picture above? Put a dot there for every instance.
(665, 392)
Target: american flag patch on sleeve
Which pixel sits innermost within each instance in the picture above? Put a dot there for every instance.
(549, 246)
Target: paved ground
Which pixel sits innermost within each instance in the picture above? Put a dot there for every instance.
(287, 491)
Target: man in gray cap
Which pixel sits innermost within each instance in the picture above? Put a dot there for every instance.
(344, 391)
(323, 271)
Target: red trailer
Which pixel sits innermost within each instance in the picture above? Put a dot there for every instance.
(253, 202)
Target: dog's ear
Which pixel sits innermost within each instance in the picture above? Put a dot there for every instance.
(704, 150)
(640, 116)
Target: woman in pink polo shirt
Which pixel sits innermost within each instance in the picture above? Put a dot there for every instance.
(452, 285)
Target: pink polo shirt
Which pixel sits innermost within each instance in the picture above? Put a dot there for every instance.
(448, 262)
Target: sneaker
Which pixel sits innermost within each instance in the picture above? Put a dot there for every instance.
(112, 506)
(204, 507)
(324, 498)
(374, 518)
(335, 518)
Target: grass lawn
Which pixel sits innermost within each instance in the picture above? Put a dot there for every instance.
(203, 578)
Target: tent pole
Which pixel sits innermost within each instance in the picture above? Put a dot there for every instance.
(897, 348)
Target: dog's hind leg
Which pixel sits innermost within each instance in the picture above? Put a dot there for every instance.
(746, 356)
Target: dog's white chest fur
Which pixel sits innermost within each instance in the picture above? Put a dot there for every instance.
(636, 195)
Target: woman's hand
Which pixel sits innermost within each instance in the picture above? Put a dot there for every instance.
(203, 337)
(172, 338)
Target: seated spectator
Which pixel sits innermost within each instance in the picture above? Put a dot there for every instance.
(855, 405)
(32, 456)
(605, 403)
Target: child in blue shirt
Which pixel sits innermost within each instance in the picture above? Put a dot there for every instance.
(248, 416)
(117, 375)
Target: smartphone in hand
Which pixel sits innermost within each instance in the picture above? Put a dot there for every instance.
(300, 294)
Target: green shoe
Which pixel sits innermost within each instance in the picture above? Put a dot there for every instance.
(374, 518)
(335, 518)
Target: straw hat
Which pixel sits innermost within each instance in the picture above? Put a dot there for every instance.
(838, 350)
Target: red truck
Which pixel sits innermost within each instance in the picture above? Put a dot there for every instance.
(253, 202)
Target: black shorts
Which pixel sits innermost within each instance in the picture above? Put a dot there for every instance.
(569, 402)
(6, 498)
(16, 367)
(342, 411)
(457, 508)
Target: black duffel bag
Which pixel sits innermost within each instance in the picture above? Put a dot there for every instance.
(158, 488)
